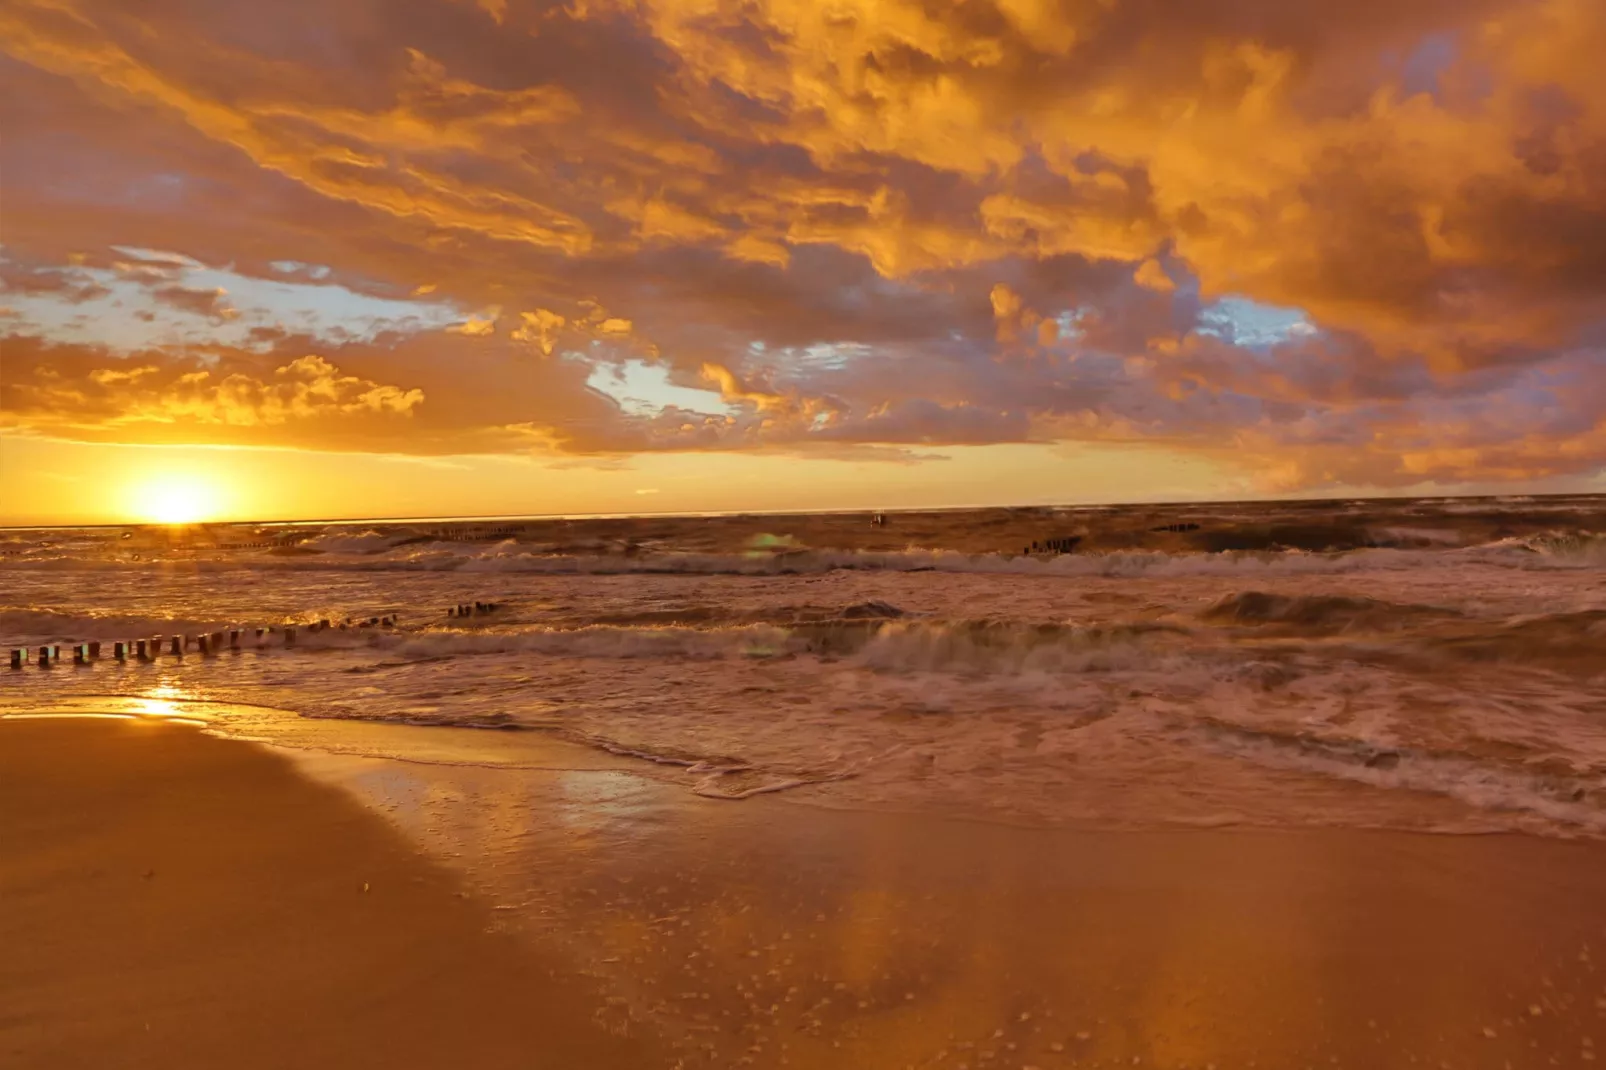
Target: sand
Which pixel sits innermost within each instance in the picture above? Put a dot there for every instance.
(168, 899)
(761, 933)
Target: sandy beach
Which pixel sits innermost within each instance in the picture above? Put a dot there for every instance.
(767, 535)
(168, 899)
(177, 900)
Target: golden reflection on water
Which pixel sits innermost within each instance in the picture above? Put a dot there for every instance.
(170, 705)
(157, 704)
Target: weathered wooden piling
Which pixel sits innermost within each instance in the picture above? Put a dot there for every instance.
(80, 654)
(19, 657)
(289, 635)
(144, 650)
(94, 649)
(120, 650)
(177, 649)
(234, 638)
(44, 657)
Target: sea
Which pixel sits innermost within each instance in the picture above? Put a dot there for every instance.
(1436, 665)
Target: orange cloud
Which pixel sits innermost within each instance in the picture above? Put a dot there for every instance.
(122, 401)
(862, 222)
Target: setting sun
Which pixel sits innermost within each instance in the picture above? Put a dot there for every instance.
(174, 499)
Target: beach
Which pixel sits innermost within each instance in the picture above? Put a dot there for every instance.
(173, 899)
(767, 535)
(1270, 785)
(170, 900)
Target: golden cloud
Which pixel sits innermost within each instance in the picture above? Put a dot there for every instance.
(854, 219)
(121, 400)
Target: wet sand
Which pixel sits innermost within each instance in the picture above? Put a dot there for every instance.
(768, 933)
(172, 900)
(718, 934)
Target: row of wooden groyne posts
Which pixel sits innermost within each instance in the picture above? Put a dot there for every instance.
(211, 643)
(1068, 544)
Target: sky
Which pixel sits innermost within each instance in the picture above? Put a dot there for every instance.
(353, 258)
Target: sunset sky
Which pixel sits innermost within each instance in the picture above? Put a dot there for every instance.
(437, 257)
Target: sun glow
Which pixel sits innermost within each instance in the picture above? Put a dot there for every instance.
(174, 499)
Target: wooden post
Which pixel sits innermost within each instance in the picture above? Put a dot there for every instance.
(289, 635)
(144, 650)
(18, 657)
(120, 650)
(94, 649)
(44, 657)
(177, 649)
(80, 654)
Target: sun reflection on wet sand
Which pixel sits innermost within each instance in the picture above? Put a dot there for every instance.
(770, 934)
(165, 704)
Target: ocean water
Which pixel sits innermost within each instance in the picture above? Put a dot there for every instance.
(1417, 664)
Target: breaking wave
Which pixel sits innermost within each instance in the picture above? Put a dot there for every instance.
(1575, 799)
(1319, 614)
(1013, 647)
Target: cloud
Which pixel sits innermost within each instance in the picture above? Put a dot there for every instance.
(213, 304)
(65, 282)
(477, 326)
(54, 391)
(864, 224)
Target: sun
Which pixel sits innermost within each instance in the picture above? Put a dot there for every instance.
(174, 499)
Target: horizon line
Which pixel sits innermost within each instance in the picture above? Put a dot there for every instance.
(710, 514)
